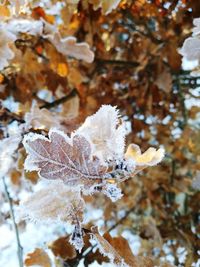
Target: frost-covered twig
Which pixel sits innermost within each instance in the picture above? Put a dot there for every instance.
(19, 247)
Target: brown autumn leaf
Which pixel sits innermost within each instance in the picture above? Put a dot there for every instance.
(119, 252)
(62, 248)
(37, 257)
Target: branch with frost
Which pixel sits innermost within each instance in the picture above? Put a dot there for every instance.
(92, 159)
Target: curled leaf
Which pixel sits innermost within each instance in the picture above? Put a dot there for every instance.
(150, 157)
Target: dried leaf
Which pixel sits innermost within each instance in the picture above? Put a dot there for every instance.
(69, 47)
(62, 248)
(150, 157)
(107, 250)
(41, 118)
(38, 257)
(106, 5)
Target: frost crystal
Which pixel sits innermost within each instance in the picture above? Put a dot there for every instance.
(76, 238)
(113, 192)
(106, 133)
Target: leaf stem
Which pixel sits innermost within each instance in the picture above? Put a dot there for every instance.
(10, 202)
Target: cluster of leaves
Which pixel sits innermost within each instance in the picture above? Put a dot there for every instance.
(60, 61)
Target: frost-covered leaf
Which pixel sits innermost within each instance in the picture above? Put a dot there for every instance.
(196, 29)
(196, 182)
(7, 148)
(38, 258)
(54, 203)
(107, 250)
(41, 118)
(106, 133)
(17, 26)
(106, 5)
(6, 53)
(70, 47)
(63, 158)
(150, 157)
(191, 48)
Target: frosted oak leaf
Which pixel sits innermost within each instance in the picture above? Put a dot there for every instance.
(53, 203)
(56, 203)
(106, 132)
(69, 47)
(41, 118)
(63, 158)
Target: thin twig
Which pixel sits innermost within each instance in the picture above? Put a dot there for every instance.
(117, 62)
(10, 202)
(60, 100)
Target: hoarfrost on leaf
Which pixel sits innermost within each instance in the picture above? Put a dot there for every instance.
(54, 203)
(191, 48)
(106, 132)
(32, 27)
(41, 118)
(63, 158)
(76, 238)
(112, 191)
